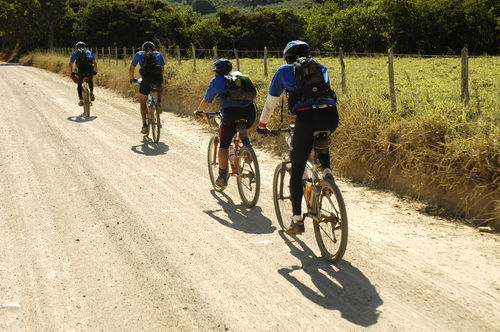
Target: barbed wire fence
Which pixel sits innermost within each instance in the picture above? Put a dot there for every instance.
(192, 54)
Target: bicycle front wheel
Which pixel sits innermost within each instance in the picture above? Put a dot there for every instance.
(155, 122)
(249, 176)
(281, 194)
(213, 164)
(86, 102)
(331, 226)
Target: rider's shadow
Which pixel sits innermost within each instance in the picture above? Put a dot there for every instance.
(80, 118)
(149, 148)
(240, 217)
(345, 289)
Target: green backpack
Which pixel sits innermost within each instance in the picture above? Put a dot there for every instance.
(239, 87)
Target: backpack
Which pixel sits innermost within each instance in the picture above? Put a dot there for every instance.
(150, 64)
(239, 87)
(83, 62)
(311, 84)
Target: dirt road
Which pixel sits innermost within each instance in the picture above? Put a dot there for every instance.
(98, 231)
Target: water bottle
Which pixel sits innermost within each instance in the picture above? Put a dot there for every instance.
(308, 189)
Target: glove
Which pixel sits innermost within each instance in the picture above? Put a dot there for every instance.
(199, 114)
(133, 80)
(262, 130)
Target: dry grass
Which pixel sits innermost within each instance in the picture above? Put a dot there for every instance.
(433, 148)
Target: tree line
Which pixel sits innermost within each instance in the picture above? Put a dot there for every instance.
(408, 26)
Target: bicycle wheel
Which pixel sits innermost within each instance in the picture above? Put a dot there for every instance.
(213, 164)
(86, 101)
(155, 123)
(331, 226)
(281, 194)
(249, 176)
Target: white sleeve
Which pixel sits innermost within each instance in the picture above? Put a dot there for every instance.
(269, 106)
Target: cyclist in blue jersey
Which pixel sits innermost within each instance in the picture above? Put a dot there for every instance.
(86, 66)
(314, 109)
(152, 65)
(231, 110)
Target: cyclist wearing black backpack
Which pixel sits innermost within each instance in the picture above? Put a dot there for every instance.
(152, 64)
(236, 93)
(86, 66)
(313, 103)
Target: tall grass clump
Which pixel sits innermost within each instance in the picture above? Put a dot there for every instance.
(433, 147)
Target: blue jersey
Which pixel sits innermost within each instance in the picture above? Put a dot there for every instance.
(284, 79)
(139, 58)
(89, 54)
(217, 87)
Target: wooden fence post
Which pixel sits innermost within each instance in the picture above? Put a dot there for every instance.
(178, 54)
(102, 53)
(265, 61)
(109, 55)
(124, 56)
(214, 50)
(342, 71)
(392, 90)
(465, 96)
(237, 59)
(194, 57)
(116, 55)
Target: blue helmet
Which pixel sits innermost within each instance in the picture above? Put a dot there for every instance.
(296, 48)
(222, 66)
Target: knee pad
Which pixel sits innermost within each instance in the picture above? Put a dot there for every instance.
(321, 142)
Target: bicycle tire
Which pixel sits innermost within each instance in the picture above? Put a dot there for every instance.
(213, 166)
(155, 124)
(330, 223)
(281, 194)
(86, 102)
(247, 157)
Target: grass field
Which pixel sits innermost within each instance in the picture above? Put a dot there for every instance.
(433, 148)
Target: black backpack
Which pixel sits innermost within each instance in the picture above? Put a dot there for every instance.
(150, 64)
(83, 62)
(239, 87)
(311, 84)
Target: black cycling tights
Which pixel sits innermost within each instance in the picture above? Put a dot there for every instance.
(80, 89)
(306, 123)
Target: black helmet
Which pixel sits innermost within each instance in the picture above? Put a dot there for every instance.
(148, 46)
(80, 46)
(222, 66)
(296, 48)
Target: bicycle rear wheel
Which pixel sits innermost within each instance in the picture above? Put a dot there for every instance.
(281, 194)
(249, 176)
(331, 226)
(86, 101)
(155, 123)
(213, 164)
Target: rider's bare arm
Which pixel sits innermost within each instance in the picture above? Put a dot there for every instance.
(70, 67)
(131, 71)
(203, 106)
(95, 65)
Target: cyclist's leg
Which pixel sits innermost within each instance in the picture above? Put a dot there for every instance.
(91, 86)
(144, 90)
(247, 113)
(226, 132)
(302, 143)
(159, 86)
(327, 119)
(79, 87)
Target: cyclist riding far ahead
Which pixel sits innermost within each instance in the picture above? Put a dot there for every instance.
(152, 64)
(237, 104)
(86, 66)
(313, 103)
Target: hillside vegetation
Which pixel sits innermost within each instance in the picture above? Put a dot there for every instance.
(433, 148)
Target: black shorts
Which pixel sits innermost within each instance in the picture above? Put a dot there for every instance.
(228, 126)
(147, 80)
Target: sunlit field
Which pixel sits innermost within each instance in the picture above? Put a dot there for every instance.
(433, 147)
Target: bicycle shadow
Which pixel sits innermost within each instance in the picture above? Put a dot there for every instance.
(81, 119)
(241, 218)
(150, 148)
(345, 288)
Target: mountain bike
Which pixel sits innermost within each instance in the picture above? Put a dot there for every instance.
(242, 160)
(153, 121)
(85, 94)
(323, 198)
